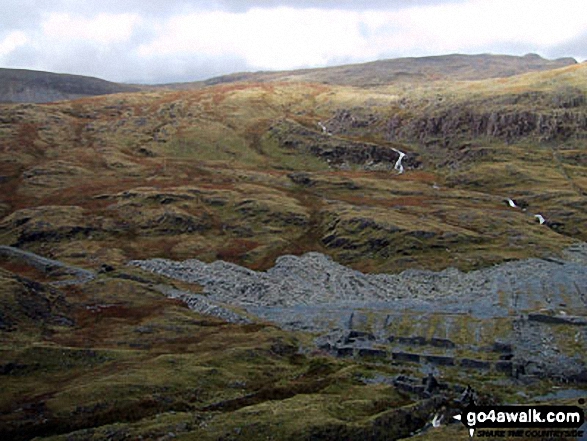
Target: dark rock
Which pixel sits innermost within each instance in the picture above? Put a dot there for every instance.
(53, 235)
(504, 366)
(409, 384)
(442, 343)
(421, 341)
(345, 351)
(11, 368)
(376, 353)
(301, 178)
(552, 319)
(440, 360)
(431, 384)
(354, 336)
(283, 349)
(325, 346)
(105, 268)
(475, 364)
(580, 377)
(319, 291)
(531, 368)
(332, 241)
(406, 356)
(5, 323)
(499, 346)
(143, 151)
(468, 397)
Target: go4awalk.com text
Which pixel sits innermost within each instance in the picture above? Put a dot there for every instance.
(523, 421)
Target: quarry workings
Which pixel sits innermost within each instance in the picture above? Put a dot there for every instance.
(503, 317)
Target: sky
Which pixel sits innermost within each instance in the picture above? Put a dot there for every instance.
(162, 41)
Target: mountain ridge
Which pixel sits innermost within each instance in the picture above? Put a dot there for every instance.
(33, 86)
(26, 86)
(429, 68)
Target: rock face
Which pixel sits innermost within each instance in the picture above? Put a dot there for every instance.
(30, 304)
(460, 123)
(338, 151)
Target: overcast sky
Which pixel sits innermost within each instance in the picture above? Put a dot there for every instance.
(156, 41)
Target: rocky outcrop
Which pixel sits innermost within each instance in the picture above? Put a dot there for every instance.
(347, 121)
(558, 319)
(475, 364)
(463, 122)
(25, 303)
(537, 351)
(337, 151)
(49, 223)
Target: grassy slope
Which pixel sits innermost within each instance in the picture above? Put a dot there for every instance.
(206, 174)
(114, 360)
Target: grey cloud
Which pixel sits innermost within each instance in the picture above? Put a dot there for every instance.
(17, 14)
(121, 64)
(143, 7)
(76, 58)
(27, 14)
(187, 68)
(236, 5)
(576, 48)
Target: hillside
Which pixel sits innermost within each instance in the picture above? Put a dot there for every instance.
(455, 67)
(28, 86)
(289, 259)
(247, 173)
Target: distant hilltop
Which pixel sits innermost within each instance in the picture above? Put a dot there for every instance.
(22, 86)
(29, 86)
(378, 73)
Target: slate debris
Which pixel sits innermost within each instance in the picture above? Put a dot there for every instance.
(351, 310)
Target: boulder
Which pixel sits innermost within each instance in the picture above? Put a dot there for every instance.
(469, 363)
(375, 353)
(442, 343)
(406, 356)
(440, 360)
